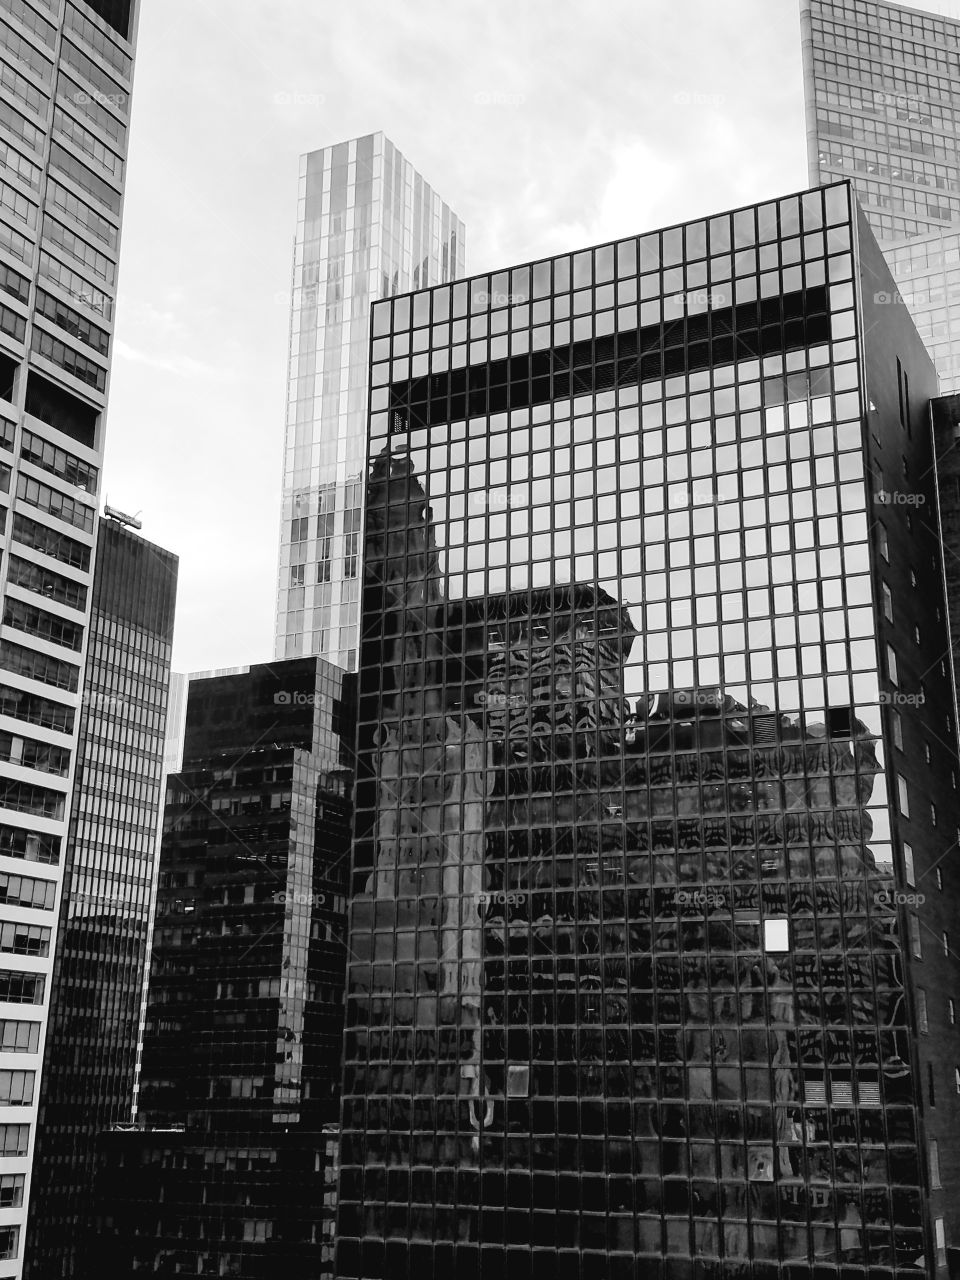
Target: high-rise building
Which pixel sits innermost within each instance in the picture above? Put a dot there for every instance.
(652, 947)
(882, 87)
(65, 81)
(105, 909)
(227, 1169)
(368, 226)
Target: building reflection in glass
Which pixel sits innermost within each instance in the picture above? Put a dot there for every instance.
(626, 977)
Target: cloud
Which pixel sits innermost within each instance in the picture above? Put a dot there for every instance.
(181, 366)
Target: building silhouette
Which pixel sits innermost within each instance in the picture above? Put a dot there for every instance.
(110, 864)
(229, 1163)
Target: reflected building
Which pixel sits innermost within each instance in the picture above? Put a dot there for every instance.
(655, 756)
(105, 911)
(882, 88)
(227, 1167)
(368, 226)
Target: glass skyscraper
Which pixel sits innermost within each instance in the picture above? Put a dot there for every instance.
(65, 79)
(882, 86)
(106, 906)
(227, 1168)
(650, 963)
(368, 226)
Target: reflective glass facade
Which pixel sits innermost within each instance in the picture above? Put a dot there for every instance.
(882, 86)
(109, 869)
(226, 1170)
(66, 70)
(368, 226)
(640, 754)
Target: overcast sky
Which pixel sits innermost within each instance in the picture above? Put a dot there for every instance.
(546, 124)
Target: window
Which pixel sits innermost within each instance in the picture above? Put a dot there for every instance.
(941, 1242)
(946, 942)
(24, 939)
(897, 725)
(933, 815)
(776, 935)
(300, 529)
(939, 874)
(9, 1239)
(887, 602)
(16, 1088)
(922, 1022)
(903, 796)
(11, 1190)
(951, 1011)
(14, 1139)
(51, 542)
(892, 665)
(19, 1037)
(909, 873)
(916, 947)
(55, 503)
(934, 1164)
(21, 988)
(26, 891)
(931, 1088)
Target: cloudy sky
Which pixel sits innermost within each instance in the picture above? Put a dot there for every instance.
(546, 124)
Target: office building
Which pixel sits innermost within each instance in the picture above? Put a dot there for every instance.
(882, 88)
(367, 226)
(65, 81)
(227, 1168)
(105, 908)
(653, 899)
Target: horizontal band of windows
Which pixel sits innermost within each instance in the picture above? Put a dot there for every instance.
(27, 891)
(17, 1037)
(44, 625)
(38, 666)
(34, 709)
(12, 324)
(34, 577)
(787, 323)
(111, 89)
(73, 323)
(23, 939)
(50, 542)
(24, 797)
(21, 988)
(55, 503)
(31, 846)
(85, 178)
(78, 366)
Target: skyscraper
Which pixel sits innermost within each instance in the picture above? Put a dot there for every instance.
(368, 226)
(652, 960)
(65, 80)
(105, 908)
(226, 1172)
(882, 87)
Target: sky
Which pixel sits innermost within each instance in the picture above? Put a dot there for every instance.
(547, 125)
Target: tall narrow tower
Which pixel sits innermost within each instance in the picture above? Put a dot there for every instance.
(66, 70)
(368, 226)
(882, 90)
